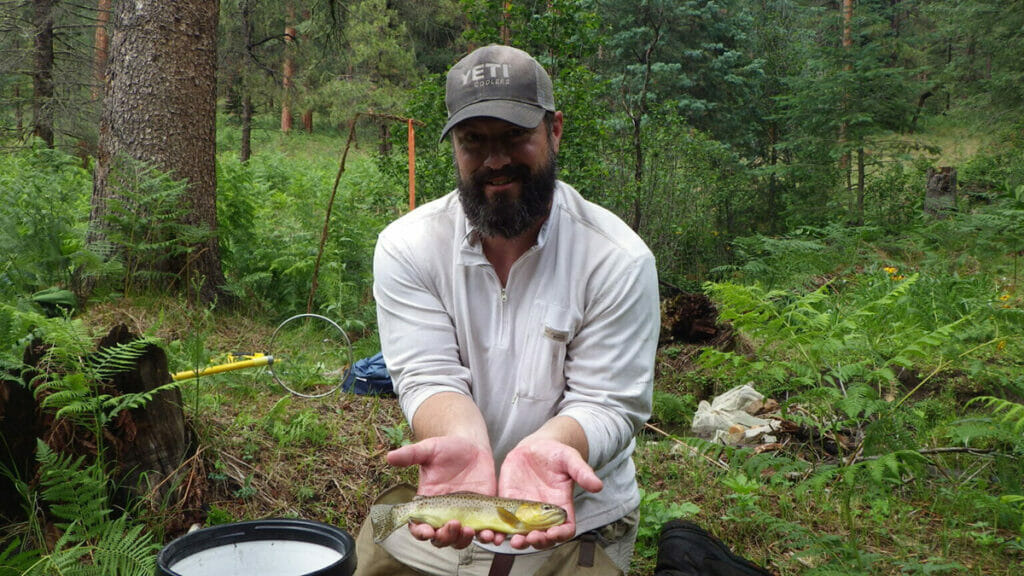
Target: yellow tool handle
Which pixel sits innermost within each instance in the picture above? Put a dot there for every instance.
(250, 363)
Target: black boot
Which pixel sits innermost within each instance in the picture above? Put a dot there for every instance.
(685, 549)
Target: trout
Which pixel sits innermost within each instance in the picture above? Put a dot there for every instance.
(477, 511)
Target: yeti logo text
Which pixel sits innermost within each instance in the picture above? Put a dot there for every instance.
(487, 74)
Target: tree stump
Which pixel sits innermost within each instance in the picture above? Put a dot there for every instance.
(152, 441)
(689, 319)
(19, 428)
(940, 192)
(148, 445)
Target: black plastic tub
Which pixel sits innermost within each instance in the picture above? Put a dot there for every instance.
(274, 547)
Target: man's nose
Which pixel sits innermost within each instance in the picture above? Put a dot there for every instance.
(496, 155)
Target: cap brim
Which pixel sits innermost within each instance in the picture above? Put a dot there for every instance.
(518, 113)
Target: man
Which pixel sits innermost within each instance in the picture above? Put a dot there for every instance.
(519, 323)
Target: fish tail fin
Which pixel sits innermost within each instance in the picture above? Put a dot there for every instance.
(383, 518)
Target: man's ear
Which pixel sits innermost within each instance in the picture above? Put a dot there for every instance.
(556, 129)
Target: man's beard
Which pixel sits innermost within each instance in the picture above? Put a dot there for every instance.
(503, 215)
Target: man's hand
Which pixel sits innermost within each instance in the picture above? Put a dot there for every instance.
(448, 464)
(546, 470)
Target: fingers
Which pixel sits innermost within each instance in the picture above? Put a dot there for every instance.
(409, 455)
(541, 539)
(583, 475)
(451, 534)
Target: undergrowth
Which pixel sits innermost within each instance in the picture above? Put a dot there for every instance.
(895, 359)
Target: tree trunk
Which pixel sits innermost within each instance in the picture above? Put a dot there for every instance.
(245, 151)
(506, 32)
(160, 108)
(859, 213)
(19, 119)
(154, 441)
(638, 172)
(288, 70)
(307, 121)
(42, 71)
(101, 47)
(847, 12)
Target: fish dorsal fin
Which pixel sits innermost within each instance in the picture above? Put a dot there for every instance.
(508, 517)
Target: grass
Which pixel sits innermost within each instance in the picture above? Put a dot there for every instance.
(261, 452)
(264, 453)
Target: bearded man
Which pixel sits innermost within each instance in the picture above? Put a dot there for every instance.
(519, 323)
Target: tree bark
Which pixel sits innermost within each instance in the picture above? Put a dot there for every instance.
(160, 108)
(101, 47)
(152, 441)
(245, 151)
(42, 71)
(288, 70)
(847, 40)
(307, 121)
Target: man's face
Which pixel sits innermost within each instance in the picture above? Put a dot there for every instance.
(506, 174)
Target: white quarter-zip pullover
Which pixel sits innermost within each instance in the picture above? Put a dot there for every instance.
(573, 332)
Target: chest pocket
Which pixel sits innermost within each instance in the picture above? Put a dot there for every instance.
(541, 365)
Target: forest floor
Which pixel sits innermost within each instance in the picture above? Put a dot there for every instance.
(264, 453)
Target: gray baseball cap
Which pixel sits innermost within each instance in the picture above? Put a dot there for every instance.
(498, 82)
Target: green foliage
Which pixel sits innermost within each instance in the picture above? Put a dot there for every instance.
(145, 224)
(672, 409)
(43, 196)
(1007, 413)
(799, 258)
(657, 508)
(302, 428)
(272, 214)
(76, 490)
(76, 493)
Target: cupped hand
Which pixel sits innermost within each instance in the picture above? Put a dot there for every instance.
(449, 464)
(547, 471)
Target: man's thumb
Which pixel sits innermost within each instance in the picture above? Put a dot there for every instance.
(584, 475)
(408, 455)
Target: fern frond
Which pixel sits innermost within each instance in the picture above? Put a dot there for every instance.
(120, 357)
(125, 550)
(113, 405)
(66, 558)
(861, 399)
(15, 562)
(75, 491)
(1006, 412)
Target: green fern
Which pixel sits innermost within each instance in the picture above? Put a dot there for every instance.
(14, 561)
(66, 559)
(1007, 413)
(75, 491)
(125, 550)
(119, 358)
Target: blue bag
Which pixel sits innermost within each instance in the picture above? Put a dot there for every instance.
(369, 376)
